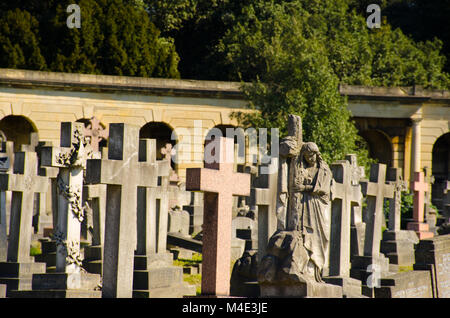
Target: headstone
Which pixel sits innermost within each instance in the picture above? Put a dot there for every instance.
(24, 183)
(96, 133)
(154, 274)
(358, 227)
(195, 209)
(419, 186)
(444, 228)
(430, 212)
(178, 221)
(411, 284)
(6, 154)
(168, 151)
(244, 236)
(219, 183)
(6, 166)
(69, 279)
(344, 195)
(122, 173)
(264, 194)
(397, 244)
(43, 214)
(373, 265)
(433, 255)
(94, 196)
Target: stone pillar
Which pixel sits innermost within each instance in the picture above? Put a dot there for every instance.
(415, 148)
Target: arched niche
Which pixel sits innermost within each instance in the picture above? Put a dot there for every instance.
(17, 129)
(160, 131)
(440, 168)
(379, 146)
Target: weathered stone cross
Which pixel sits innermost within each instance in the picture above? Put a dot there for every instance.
(265, 197)
(70, 158)
(153, 204)
(375, 191)
(122, 173)
(24, 183)
(394, 177)
(419, 186)
(219, 183)
(343, 194)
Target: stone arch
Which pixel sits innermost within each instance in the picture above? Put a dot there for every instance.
(160, 131)
(17, 129)
(379, 145)
(239, 134)
(440, 168)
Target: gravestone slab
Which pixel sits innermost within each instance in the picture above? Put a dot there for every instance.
(24, 182)
(6, 166)
(412, 284)
(433, 255)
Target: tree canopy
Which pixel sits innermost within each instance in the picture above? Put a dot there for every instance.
(116, 37)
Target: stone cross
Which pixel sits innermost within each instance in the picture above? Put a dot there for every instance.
(153, 203)
(219, 183)
(394, 177)
(265, 200)
(6, 165)
(24, 182)
(168, 152)
(70, 158)
(96, 133)
(343, 195)
(419, 186)
(122, 173)
(94, 196)
(375, 190)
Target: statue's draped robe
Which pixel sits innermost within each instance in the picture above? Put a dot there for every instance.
(309, 213)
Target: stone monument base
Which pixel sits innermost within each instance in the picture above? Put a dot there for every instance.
(350, 287)
(301, 290)
(421, 229)
(398, 246)
(412, 284)
(2, 291)
(18, 276)
(156, 277)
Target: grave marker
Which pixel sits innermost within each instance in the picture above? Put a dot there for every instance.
(122, 173)
(419, 186)
(219, 183)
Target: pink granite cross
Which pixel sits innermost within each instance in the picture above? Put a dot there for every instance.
(96, 132)
(419, 186)
(219, 183)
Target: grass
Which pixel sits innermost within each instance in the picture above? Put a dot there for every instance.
(192, 279)
(35, 248)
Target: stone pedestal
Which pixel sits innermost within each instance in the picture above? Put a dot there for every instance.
(398, 246)
(156, 277)
(350, 287)
(370, 270)
(18, 276)
(433, 255)
(412, 284)
(2, 291)
(62, 285)
(301, 290)
(92, 261)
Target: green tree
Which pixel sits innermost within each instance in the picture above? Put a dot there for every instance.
(116, 38)
(19, 41)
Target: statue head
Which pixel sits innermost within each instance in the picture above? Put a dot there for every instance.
(311, 154)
